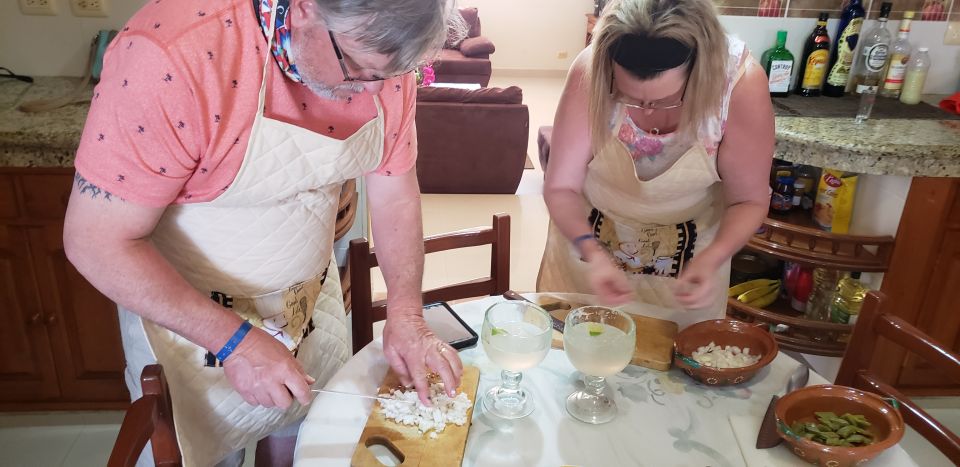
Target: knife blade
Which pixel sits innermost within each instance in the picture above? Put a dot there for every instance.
(768, 437)
(341, 393)
(556, 323)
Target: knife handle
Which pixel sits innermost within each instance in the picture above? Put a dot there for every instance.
(768, 436)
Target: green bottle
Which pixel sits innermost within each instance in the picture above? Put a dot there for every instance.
(778, 63)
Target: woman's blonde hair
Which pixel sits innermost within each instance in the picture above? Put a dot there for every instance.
(693, 23)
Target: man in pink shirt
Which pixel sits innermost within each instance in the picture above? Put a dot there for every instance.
(206, 193)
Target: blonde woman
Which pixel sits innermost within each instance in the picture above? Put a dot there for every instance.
(663, 136)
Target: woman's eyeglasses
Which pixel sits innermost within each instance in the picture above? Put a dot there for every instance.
(346, 74)
(652, 105)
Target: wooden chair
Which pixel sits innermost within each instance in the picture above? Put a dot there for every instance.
(873, 323)
(149, 418)
(363, 258)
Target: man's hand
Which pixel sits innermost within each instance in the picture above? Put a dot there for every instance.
(411, 348)
(265, 373)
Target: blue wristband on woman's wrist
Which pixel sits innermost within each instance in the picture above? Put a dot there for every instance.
(234, 341)
(577, 241)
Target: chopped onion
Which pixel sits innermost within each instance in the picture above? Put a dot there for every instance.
(404, 407)
(730, 356)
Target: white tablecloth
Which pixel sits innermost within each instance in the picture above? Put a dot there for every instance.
(665, 418)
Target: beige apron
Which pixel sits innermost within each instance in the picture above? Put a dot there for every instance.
(264, 249)
(652, 228)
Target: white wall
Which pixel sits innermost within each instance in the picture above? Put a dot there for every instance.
(54, 45)
(529, 34)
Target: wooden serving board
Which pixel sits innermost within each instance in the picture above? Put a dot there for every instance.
(406, 442)
(654, 346)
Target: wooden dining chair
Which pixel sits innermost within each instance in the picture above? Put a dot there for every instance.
(875, 322)
(149, 418)
(362, 258)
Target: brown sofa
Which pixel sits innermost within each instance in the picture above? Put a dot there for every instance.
(466, 61)
(471, 141)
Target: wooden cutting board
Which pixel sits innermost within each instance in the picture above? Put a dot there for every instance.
(406, 442)
(654, 346)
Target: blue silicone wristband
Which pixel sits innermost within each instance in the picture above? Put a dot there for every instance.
(234, 341)
(582, 238)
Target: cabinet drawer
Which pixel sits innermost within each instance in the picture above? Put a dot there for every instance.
(45, 196)
(8, 198)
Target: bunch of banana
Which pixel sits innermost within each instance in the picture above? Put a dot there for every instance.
(757, 293)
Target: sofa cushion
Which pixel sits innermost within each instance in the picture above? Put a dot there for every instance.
(454, 62)
(472, 18)
(510, 95)
(480, 47)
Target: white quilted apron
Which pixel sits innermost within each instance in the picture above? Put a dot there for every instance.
(651, 228)
(264, 249)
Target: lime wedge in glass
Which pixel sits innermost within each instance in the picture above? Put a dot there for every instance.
(595, 329)
(495, 331)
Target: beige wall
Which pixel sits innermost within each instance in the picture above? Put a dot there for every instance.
(54, 45)
(529, 34)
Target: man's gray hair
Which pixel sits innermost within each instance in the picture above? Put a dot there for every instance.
(404, 30)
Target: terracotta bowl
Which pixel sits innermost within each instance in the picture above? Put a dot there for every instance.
(887, 424)
(723, 332)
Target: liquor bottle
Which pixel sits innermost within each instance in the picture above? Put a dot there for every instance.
(778, 63)
(899, 58)
(816, 56)
(842, 58)
(875, 45)
(916, 76)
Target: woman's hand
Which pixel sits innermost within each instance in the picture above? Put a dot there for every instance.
(607, 280)
(697, 285)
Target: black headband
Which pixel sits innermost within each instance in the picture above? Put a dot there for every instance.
(644, 56)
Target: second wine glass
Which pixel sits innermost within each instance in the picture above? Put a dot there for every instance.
(599, 342)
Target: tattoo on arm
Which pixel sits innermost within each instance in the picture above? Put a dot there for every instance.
(86, 187)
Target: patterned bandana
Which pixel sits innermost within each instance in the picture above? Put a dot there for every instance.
(281, 34)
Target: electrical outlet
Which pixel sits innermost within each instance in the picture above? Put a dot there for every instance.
(38, 7)
(562, 54)
(88, 7)
(952, 37)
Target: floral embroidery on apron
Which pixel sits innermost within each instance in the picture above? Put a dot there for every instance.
(656, 250)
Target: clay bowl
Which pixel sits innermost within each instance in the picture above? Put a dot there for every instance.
(723, 332)
(886, 423)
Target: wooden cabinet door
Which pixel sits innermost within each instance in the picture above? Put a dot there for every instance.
(82, 323)
(27, 371)
(938, 315)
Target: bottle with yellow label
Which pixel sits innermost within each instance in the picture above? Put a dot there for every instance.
(815, 58)
(848, 34)
(900, 51)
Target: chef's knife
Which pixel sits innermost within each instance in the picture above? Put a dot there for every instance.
(511, 295)
(768, 437)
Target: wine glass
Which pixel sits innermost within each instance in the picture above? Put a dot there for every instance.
(516, 336)
(599, 342)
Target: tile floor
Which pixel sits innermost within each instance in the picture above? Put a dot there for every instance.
(85, 439)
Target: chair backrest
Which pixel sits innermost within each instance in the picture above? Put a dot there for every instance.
(874, 323)
(362, 258)
(149, 418)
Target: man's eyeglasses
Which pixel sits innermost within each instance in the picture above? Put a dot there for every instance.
(346, 74)
(651, 106)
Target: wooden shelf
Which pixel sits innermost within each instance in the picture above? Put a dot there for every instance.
(795, 237)
(802, 335)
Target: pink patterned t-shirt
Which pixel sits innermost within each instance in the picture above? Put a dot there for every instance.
(170, 119)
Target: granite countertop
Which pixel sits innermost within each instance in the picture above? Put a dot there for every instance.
(43, 139)
(907, 147)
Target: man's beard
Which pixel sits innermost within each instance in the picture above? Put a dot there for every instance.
(339, 92)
